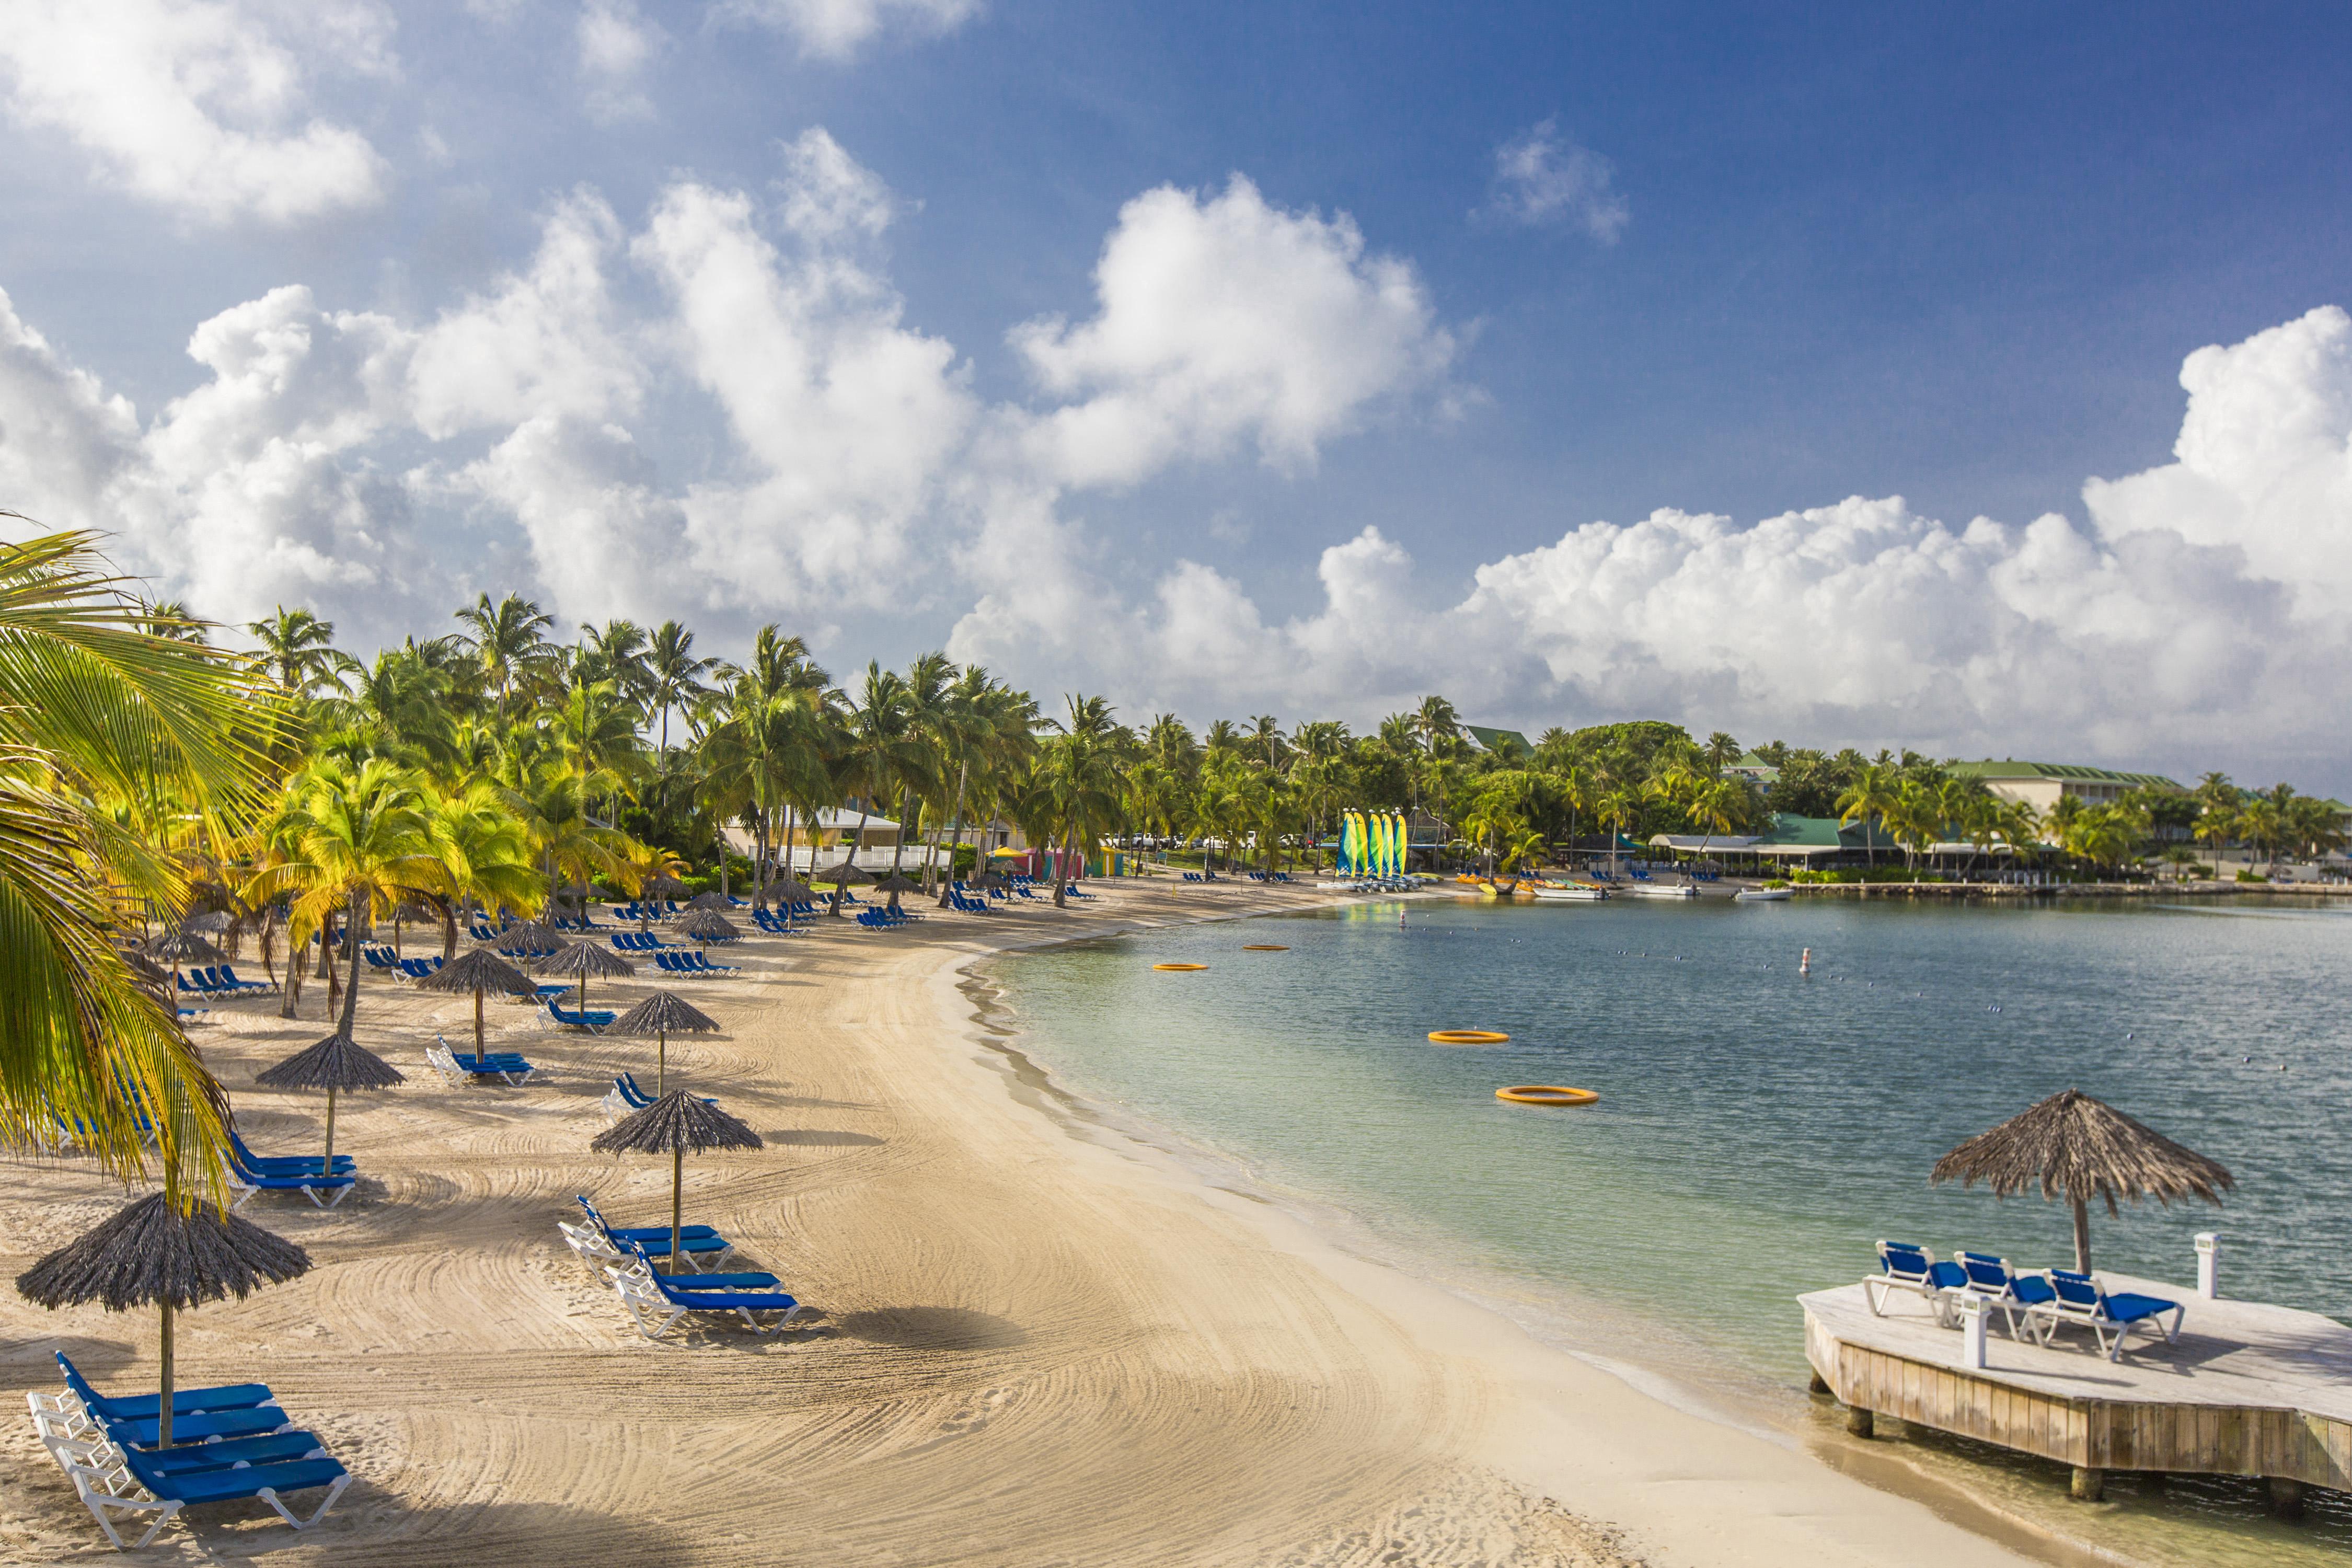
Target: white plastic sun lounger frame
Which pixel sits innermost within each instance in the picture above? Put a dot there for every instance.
(109, 1488)
(245, 1190)
(632, 1282)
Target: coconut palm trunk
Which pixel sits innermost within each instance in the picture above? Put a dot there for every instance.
(955, 835)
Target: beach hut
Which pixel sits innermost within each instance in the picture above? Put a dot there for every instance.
(478, 971)
(662, 1014)
(151, 1255)
(584, 959)
(673, 1125)
(708, 925)
(2073, 1144)
(335, 1063)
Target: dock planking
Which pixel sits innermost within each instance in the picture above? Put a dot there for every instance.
(2250, 1389)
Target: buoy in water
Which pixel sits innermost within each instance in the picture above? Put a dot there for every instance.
(1467, 1036)
(1805, 961)
(1180, 966)
(1546, 1094)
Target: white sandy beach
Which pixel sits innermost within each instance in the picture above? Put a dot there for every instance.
(1034, 1342)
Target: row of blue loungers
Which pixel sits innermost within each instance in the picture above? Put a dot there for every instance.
(228, 1444)
(655, 1299)
(2040, 1301)
(219, 980)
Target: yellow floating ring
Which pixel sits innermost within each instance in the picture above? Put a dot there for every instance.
(1185, 966)
(1264, 947)
(1546, 1094)
(1467, 1036)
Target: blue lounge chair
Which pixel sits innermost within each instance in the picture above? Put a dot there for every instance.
(657, 1302)
(635, 1098)
(1902, 1266)
(698, 1243)
(283, 1165)
(171, 1488)
(699, 963)
(146, 1407)
(2081, 1298)
(592, 1019)
(458, 1067)
(246, 1182)
(2002, 1287)
(231, 976)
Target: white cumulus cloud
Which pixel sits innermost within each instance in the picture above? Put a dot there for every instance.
(1544, 178)
(836, 30)
(615, 43)
(202, 106)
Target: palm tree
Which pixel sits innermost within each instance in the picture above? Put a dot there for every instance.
(485, 852)
(348, 841)
(1867, 800)
(508, 640)
(1079, 773)
(880, 748)
(1265, 734)
(617, 652)
(298, 650)
(678, 674)
(1619, 808)
(1720, 750)
(107, 733)
(934, 719)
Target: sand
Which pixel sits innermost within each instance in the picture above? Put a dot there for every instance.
(1032, 1341)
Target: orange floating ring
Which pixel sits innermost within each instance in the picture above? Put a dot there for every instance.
(1467, 1036)
(1180, 966)
(1264, 947)
(1546, 1094)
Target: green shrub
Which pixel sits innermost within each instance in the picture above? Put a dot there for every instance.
(2252, 875)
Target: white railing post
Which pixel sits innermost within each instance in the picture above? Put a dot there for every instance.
(2208, 1265)
(1972, 1331)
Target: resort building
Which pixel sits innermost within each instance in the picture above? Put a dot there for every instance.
(2040, 785)
(1817, 842)
(1486, 739)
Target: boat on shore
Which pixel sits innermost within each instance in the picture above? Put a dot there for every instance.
(1763, 895)
(1568, 893)
(1663, 889)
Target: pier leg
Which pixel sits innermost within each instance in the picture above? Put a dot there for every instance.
(1858, 1421)
(1820, 1384)
(2286, 1497)
(2090, 1485)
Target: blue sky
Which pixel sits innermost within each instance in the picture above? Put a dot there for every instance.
(1620, 329)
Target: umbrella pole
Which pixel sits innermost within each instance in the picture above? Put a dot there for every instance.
(661, 1062)
(477, 1023)
(676, 1200)
(327, 1162)
(163, 1405)
(2082, 1237)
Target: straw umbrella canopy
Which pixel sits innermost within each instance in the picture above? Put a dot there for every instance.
(895, 883)
(708, 925)
(788, 890)
(335, 1063)
(662, 1014)
(149, 1254)
(672, 1125)
(183, 946)
(528, 936)
(478, 971)
(584, 959)
(714, 899)
(841, 877)
(2073, 1144)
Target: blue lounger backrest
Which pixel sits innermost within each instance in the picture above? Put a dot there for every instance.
(1985, 1271)
(2074, 1290)
(1903, 1260)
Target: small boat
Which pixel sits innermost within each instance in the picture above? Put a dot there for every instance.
(1568, 893)
(1763, 895)
(1663, 889)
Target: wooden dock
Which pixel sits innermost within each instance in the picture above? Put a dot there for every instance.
(2249, 1389)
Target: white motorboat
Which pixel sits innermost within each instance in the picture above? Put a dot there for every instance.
(1575, 893)
(1763, 895)
(1663, 889)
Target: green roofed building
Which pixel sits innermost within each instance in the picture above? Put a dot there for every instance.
(1489, 739)
(2040, 785)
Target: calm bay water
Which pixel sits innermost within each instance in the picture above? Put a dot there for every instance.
(1756, 1130)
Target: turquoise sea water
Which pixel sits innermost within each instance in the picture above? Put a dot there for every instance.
(1756, 1130)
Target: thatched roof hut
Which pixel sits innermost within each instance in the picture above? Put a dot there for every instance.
(2073, 1144)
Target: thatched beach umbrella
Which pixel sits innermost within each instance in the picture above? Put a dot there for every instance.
(337, 1062)
(147, 1255)
(895, 883)
(708, 925)
(788, 890)
(183, 946)
(2073, 1144)
(714, 899)
(584, 959)
(841, 877)
(662, 1014)
(529, 937)
(478, 971)
(671, 1125)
